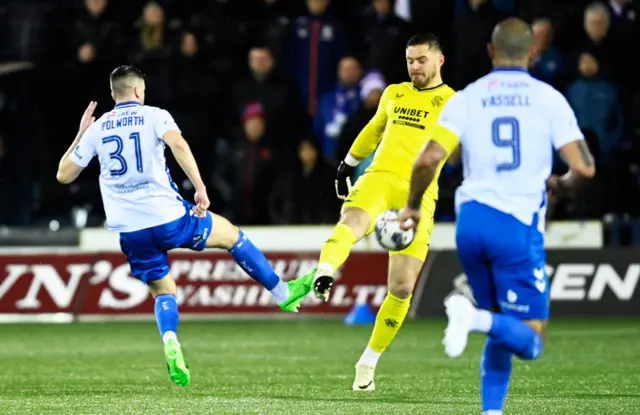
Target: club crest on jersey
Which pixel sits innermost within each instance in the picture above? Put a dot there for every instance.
(437, 101)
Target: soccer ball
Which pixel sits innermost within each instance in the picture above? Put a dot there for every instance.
(389, 234)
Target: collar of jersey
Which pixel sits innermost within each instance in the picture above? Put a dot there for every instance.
(127, 104)
(508, 69)
(425, 89)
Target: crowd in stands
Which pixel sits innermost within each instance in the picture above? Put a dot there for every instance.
(271, 93)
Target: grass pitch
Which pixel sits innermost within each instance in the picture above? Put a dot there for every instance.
(305, 367)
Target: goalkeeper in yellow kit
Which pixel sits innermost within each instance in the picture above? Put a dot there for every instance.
(399, 130)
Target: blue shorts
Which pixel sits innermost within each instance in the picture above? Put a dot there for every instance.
(146, 249)
(504, 260)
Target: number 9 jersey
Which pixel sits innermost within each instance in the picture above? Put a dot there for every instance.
(136, 187)
(508, 124)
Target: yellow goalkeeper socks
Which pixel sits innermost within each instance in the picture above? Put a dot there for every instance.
(388, 321)
(336, 249)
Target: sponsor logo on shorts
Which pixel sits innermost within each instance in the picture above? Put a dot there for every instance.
(511, 303)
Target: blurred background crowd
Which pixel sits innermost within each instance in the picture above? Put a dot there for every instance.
(271, 93)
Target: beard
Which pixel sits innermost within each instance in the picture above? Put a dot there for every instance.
(422, 80)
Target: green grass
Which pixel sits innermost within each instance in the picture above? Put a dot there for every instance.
(305, 367)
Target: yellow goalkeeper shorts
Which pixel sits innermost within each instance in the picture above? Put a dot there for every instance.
(376, 192)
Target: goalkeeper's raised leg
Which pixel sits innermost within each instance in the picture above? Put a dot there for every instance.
(353, 225)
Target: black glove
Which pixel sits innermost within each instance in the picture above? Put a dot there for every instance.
(343, 180)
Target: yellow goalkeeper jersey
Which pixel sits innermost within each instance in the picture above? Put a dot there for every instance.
(401, 127)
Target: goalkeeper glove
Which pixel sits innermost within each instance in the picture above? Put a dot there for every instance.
(343, 180)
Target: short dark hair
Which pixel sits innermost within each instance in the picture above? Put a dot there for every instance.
(121, 75)
(425, 39)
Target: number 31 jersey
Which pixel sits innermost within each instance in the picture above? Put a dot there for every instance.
(508, 124)
(136, 187)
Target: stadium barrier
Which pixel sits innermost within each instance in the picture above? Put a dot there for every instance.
(92, 282)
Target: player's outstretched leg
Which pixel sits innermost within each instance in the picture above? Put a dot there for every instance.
(403, 274)
(166, 311)
(289, 295)
(352, 226)
(507, 336)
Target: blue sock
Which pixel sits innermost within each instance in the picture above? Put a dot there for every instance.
(516, 336)
(495, 371)
(166, 310)
(253, 262)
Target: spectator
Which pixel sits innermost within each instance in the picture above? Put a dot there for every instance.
(97, 37)
(336, 106)
(471, 32)
(306, 195)
(385, 37)
(595, 102)
(195, 104)
(98, 44)
(254, 162)
(599, 40)
(547, 63)
(273, 24)
(318, 42)
(152, 53)
(616, 51)
(278, 95)
(225, 35)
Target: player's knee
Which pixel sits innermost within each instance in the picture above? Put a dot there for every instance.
(534, 350)
(540, 327)
(224, 234)
(357, 219)
(403, 274)
(401, 288)
(165, 285)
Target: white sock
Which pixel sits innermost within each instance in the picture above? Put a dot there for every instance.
(492, 412)
(369, 357)
(482, 321)
(280, 292)
(324, 269)
(169, 335)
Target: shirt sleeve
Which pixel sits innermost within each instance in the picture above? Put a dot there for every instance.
(371, 135)
(163, 122)
(85, 150)
(564, 126)
(446, 138)
(451, 124)
(454, 114)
